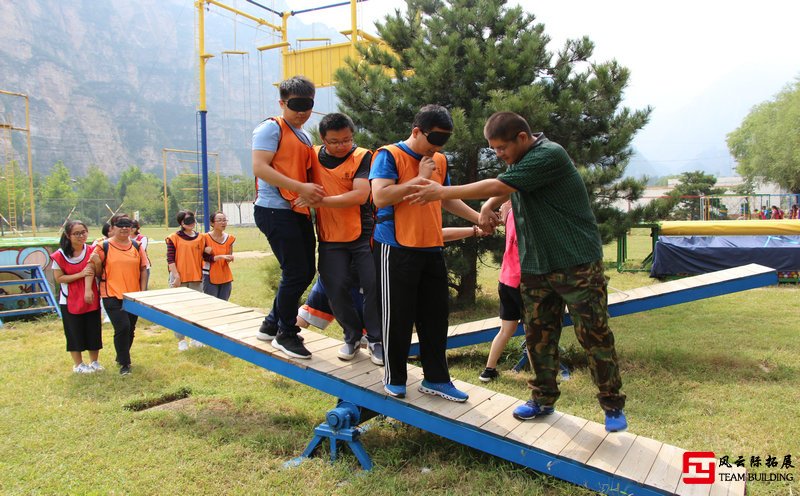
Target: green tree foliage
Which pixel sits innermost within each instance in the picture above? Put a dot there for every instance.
(145, 195)
(57, 196)
(767, 143)
(95, 184)
(684, 202)
(477, 57)
(129, 175)
(95, 192)
(187, 191)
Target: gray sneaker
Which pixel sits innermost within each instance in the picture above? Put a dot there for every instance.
(348, 351)
(376, 353)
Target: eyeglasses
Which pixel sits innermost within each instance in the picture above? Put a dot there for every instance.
(80, 233)
(437, 138)
(347, 142)
(299, 104)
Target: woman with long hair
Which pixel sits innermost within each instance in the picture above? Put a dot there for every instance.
(78, 299)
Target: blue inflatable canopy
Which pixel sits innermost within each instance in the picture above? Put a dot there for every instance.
(692, 255)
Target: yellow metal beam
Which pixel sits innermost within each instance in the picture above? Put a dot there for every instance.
(273, 46)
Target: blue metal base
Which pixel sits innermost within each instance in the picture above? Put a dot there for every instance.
(340, 426)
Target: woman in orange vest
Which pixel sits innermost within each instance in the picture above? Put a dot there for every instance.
(79, 299)
(122, 265)
(185, 261)
(217, 275)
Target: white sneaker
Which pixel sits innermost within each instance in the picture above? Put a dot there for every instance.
(183, 345)
(197, 344)
(82, 368)
(96, 366)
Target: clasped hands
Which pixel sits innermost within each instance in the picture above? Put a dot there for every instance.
(309, 195)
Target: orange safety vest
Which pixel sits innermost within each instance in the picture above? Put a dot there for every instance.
(417, 226)
(188, 257)
(219, 272)
(292, 159)
(338, 224)
(121, 270)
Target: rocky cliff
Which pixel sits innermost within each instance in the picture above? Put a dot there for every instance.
(112, 82)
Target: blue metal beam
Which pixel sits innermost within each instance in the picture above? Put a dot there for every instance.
(539, 460)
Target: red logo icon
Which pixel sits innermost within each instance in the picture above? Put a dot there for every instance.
(699, 467)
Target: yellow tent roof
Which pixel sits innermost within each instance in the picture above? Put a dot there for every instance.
(730, 227)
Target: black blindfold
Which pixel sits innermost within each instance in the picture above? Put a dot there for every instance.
(437, 138)
(300, 104)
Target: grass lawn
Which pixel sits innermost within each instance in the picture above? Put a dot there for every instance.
(721, 374)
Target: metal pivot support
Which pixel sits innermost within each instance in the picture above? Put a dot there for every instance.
(341, 425)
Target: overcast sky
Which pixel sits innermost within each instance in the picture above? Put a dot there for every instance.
(702, 65)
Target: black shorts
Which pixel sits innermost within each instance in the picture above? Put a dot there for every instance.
(510, 302)
(83, 331)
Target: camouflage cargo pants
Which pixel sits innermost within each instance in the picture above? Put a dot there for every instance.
(584, 290)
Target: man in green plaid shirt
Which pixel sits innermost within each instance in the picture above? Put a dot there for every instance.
(561, 259)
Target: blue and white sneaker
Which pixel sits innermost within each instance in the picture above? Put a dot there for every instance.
(616, 421)
(444, 389)
(398, 391)
(531, 409)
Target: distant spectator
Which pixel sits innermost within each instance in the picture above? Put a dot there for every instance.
(794, 213)
(765, 212)
(185, 261)
(777, 213)
(217, 275)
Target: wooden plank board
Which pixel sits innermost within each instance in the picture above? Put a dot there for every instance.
(560, 433)
(354, 368)
(254, 322)
(328, 360)
(611, 451)
(528, 432)
(487, 410)
(504, 422)
(639, 459)
(170, 298)
(199, 304)
(275, 353)
(142, 296)
(194, 314)
(322, 344)
(230, 319)
(625, 455)
(666, 469)
(477, 395)
(585, 442)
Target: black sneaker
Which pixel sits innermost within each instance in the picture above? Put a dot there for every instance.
(125, 370)
(267, 331)
(291, 345)
(488, 375)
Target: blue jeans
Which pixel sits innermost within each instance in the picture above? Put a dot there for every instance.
(291, 238)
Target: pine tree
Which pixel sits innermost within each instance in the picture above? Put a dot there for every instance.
(477, 57)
